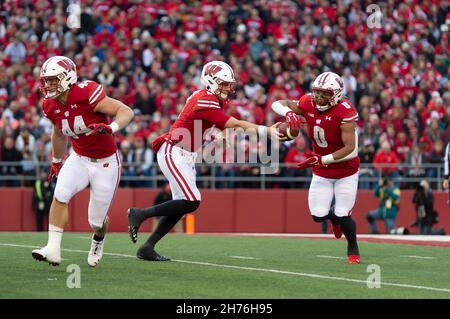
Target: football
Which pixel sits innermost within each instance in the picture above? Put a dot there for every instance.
(289, 134)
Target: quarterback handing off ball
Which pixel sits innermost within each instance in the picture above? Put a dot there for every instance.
(288, 133)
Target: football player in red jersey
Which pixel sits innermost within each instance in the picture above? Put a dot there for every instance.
(176, 153)
(80, 112)
(330, 118)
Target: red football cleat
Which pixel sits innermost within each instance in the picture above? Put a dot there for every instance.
(354, 259)
(336, 230)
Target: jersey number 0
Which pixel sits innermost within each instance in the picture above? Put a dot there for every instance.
(319, 136)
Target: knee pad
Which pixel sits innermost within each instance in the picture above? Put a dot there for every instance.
(62, 195)
(97, 213)
(95, 224)
(341, 212)
(190, 206)
(95, 227)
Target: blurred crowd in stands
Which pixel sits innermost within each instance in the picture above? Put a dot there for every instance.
(149, 55)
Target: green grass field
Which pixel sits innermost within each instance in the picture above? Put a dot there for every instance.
(215, 267)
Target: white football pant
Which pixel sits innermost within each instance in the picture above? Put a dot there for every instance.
(322, 190)
(178, 166)
(103, 176)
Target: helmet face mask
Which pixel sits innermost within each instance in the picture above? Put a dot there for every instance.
(58, 74)
(218, 78)
(327, 91)
(322, 98)
(51, 86)
(225, 89)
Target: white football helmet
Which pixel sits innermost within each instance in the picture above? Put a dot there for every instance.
(327, 90)
(61, 68)
(218, 78)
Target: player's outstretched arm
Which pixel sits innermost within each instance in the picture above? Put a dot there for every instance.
(281, 107)
(290, 110)
(122, 114)
(259, 129)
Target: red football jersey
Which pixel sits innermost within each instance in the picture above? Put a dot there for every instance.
(325, 133)
(74, 118)
(201, 111)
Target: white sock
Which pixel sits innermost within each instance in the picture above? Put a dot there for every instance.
(54, 236)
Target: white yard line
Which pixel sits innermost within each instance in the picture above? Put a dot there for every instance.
(331, 257)
(242, 257)
(418, 257)
(275, 271)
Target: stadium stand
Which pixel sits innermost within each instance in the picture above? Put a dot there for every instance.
(149, 54)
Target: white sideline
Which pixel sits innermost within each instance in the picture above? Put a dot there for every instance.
(256, 269)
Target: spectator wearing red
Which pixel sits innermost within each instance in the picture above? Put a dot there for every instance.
(239, 47)
(165, 31)
(297, 153)
(386, 160)
(402, 146)
(104, 33)
(254, 22)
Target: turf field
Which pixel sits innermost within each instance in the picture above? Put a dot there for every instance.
(224, 267)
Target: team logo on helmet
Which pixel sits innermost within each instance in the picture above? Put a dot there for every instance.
(218, 78)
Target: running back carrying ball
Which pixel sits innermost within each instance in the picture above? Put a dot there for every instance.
(288, 133)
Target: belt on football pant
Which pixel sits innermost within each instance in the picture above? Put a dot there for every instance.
(97, 160)
(178, 144)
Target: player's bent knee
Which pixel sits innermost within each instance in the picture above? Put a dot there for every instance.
(318, 219)
(95, 225)
(190, 206)
(62, 195)
(319, 213)
(341, 212)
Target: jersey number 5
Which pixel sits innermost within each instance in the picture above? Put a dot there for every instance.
(78, 126)
(319, 136)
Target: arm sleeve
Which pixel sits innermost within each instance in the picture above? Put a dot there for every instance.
(213, 115)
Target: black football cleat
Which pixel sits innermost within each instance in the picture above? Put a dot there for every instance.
(147, 252)
(134, 221)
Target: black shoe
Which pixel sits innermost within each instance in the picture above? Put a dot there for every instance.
(146, 252)
(353, 250)
(134, 221)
